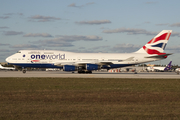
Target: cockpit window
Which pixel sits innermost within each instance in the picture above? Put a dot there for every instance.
(18, 51)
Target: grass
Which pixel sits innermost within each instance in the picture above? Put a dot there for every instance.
(89, 98)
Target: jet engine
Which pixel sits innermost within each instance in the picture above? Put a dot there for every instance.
(91, 67)
(69, 68)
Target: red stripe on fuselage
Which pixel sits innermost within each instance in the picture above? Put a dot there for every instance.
(35, 60)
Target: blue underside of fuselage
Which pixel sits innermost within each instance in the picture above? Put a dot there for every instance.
(36, 65)
(46, 65)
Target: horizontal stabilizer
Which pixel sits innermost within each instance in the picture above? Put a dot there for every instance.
(159, 56)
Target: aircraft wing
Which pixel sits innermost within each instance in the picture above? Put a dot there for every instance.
(105, 63)
(83, 63)
(128, 59)
(99, 62)
(64, 63)
(90, 62)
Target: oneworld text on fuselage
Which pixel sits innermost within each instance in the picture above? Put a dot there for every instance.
(54, 56)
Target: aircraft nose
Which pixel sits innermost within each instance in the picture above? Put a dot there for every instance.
(8, 59)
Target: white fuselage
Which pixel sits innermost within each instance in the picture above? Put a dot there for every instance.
(155, 68)
(32, 57)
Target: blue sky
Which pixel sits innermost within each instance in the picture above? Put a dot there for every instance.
(119, 26)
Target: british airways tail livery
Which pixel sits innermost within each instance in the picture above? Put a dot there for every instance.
(87, 62)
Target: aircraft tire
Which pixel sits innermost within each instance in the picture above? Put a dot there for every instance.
(81, 72)
(85, 72)
(89, 72)
(24, 71)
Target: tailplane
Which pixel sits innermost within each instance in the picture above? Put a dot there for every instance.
(156, 45)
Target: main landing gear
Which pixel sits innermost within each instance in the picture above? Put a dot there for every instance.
(85, 72)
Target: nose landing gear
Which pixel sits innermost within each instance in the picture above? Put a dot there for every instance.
(24, 71)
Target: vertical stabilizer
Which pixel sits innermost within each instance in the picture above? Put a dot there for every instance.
(168, 67)
(157, 44)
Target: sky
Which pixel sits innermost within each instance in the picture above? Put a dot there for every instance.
(116, 26)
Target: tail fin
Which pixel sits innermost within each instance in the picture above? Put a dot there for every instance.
(169, 66)
(157, 44)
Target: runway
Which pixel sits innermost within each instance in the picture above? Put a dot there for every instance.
(61, 74)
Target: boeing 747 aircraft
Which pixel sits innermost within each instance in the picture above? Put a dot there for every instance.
(87, 62)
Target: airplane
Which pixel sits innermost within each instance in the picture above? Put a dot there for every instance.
(161, 69)
(177, 70)
(88, 62)
(6, 68)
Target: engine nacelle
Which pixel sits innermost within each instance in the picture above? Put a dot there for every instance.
(69, 68)
(92, 67)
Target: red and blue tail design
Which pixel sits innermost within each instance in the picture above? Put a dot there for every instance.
(157, 45)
